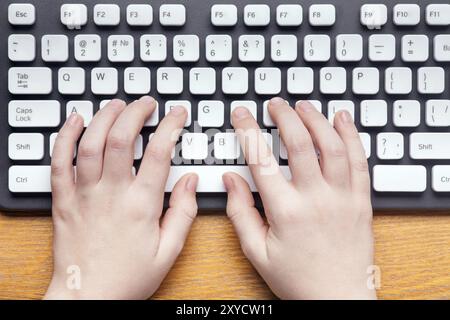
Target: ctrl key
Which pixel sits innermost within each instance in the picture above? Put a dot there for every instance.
(29, 179)
(440, 177)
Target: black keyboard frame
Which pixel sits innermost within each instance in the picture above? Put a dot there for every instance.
(198, 22)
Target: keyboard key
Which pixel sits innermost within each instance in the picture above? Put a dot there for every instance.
(106, 14)
(172, 15)
(249, 105)
(430, 80)
(322, 15)
(349, 47)
(153, 48)
(154, 118)
(284, 48)
(267, 119)
(382, 47)
(438, 113)
(438, 14)
(399, 178)
(256, 15)
(55, 48)
(169, 80)
(267, 81)
(224, 15)
(251, 48)
(407, 113)
(235, 80)
(373, 16)
(180, 103)
(442, 47)
(398, 80)
(406, 14)
(333, 80)
(26, 146)
(194, 146)
(390, 146)
(317, 48)
(366, 81)
(440, 178)
(415, 48)
(71, 81)
(186, 48)
(300, 80)
(219, 48)
(202, 81)
(374, 113)
(21, 14)
(87, 47)
(29, 179)
(30, 81)
(226, 146)
(83, 108)
(34, 114)
(289, 15)
(121, 48)
(211, 114)
(335, 106)
(104, 81)
(74, 16)
(139, 15)
(138, 148)
(366, 142)
(137, 81)
(21, 47)
(429, 145)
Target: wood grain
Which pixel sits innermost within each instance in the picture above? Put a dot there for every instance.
(412, 250)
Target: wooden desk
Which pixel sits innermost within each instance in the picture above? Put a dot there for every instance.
(412, 250)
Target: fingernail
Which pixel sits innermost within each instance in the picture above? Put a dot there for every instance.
(305, 106)
(241, 113)
(147, 99)
(192, 183)
(178, 110)
(345, 116)
(73, 118)
(277, 101)
(228, 182)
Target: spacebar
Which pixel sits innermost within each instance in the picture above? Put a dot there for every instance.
(210, 177)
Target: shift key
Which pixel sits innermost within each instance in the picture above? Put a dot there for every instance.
(30, 80)
(430, 145)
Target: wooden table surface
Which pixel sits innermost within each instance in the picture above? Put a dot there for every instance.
(412, 250)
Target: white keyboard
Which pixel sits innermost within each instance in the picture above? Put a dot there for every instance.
(387, 63)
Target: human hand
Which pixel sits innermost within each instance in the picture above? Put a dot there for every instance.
(317, 243)
(107, 221)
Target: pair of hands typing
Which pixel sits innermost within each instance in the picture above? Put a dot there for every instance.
(317, 241)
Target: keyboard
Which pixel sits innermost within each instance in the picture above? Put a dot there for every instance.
(387, 63)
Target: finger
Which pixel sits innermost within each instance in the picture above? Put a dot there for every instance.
(177, 221)
(62, 173)
(333, 155)
(359, 170)
(302, 156)
(119, 152)
(247, 221)
(260, 160)
(92, 145)
(155, 165)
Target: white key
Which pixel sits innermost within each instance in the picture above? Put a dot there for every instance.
(153, 48)
(219, 48)
(138, 148)
(284, 48)
(180, 103)
(21, 47)
(29, 179)
(120, 48)
(103, 103)
(300, 80)
(406, 14)
(406, 113)
(74, 16)
(226, 146)
(202, 81)
(34, 114)
(172, 15)
(398, 80)
(373, 16)
(440, 178)
(194, 146)
(283, 150)
(173, 150)
(84, 108)
(55, 48)
(267, 119)
(51, 145)
(322, 15)
(438, 113)
(373, 113)
(333, 80)
(21, 14)
(438, 14)
(71, 81)
(107, 14)
(390, 146)
(431, 80)
(335, 106)
(210, 177)
(104, 81)
(317, 48)
(186, 48)
(349, 47)
(249, 105)
(251, 48)
(169, 80)
(154, 118)
(399, 178)
(429, 145)
(267, 81)
(211, 114)
(26, 146)
(289, 15)
(140, 15)
(30, 80)
(87, 47)
(382, 47)
(366, 142)
(224, 15)
(415, 48)
(235, 80)
(366, 81)
(256, 15)
(137, 80)
(316, 104)
(441, 47)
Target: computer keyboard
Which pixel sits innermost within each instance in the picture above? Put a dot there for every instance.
(387, 63)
